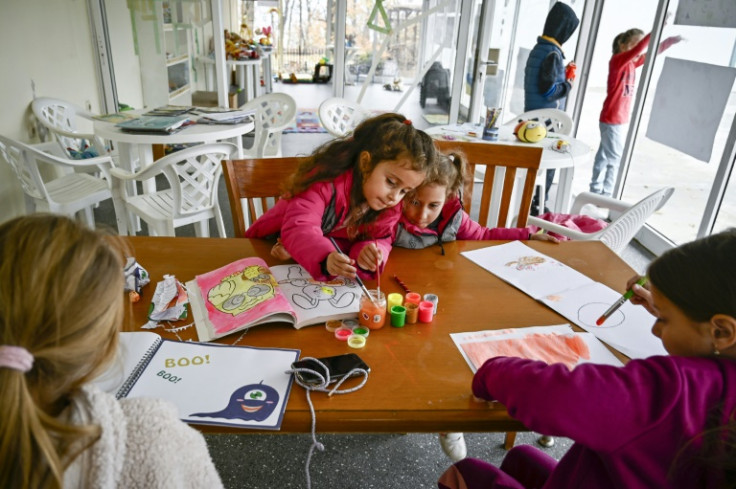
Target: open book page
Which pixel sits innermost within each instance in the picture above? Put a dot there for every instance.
(629, 329)
(132, 349)
(220, 384)
(550, 344)
(536, 274)
(316, 302)
(573, 295)
(241, 294)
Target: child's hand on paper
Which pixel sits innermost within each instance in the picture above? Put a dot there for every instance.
(339, 264)
(369, 257)
(642, 296)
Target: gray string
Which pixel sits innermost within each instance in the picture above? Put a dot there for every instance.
(322, 387)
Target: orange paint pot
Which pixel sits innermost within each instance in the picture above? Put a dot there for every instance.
(372, 313)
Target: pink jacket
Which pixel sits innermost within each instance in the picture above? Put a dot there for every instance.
(454, 223)
(305, 221)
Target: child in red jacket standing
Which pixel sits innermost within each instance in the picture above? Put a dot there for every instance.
(627, 57)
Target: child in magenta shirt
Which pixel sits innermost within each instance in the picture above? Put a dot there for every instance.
(663, 421)
(349, 190)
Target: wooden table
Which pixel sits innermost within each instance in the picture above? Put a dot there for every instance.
(419, 382)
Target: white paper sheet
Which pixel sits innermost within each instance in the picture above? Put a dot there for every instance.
(628, 330)
(536, 274)
(573, 295)
(688, 105)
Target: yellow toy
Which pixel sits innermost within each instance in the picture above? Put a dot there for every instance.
(530, 131)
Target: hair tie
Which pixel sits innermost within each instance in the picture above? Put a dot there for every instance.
(16, 358)
(407, 122)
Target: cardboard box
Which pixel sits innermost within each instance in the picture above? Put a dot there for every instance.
(236, 98)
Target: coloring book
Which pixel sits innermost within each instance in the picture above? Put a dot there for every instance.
(208, 383)
(550, 344)
(247, 293)
(573, 295)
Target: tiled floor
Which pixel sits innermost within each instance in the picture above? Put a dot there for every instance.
(348, 461)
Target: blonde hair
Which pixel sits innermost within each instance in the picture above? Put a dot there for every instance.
(61, 298)
(448, 171)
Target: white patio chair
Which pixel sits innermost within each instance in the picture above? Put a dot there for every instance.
(193, 175)
(628, 221)
(340, 116)
(68, 194)
(274, 113)
(61, 119)
(556, 121)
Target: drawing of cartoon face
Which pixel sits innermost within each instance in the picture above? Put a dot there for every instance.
(241, 291)
(253, 402)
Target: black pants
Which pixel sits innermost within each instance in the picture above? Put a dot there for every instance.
(549, 178)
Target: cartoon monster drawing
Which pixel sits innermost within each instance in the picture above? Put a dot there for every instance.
(253, 402)
(313, 291)
(242, 291)
(526, 262)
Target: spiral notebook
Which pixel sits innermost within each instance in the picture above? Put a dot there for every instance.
(209, 383)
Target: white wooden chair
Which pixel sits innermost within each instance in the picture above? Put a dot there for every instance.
(68, 194)
(556, 121)
(340, 116)
(193, 175)
(274, 113)
(628, 221)
(61, 118)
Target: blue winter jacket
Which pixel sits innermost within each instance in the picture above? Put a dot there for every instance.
(544, 75)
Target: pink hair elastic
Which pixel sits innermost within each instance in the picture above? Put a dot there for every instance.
(407, 122)
(15, 357)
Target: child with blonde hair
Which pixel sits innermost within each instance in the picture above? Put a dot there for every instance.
(663, 421)
(61, 308)
(349, 190)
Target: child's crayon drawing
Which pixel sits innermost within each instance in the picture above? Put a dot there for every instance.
(549, 348)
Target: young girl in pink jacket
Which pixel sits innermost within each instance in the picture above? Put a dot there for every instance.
(433, 213)
(663, 421)
(349, 190)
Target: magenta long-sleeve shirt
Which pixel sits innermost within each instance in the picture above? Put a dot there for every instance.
(628, 423)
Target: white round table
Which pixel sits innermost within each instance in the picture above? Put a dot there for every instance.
(551, 158)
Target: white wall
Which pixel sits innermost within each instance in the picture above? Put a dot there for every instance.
(49, 42)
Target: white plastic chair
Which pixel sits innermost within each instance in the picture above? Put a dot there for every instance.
(556, 121)
(630, 218)
(60, 118)
(68, 194)
(274, 113)
(339, 116)
(193, 175)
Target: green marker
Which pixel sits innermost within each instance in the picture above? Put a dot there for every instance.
(627, 295)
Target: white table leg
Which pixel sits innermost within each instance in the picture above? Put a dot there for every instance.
(129, 160)
(564, 190)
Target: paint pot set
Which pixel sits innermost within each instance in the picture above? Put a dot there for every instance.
(349, 331)
(411, 308)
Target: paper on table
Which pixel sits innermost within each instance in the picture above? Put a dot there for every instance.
(536, 274)
(572, 294)
(478, 346)
(629, 329)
